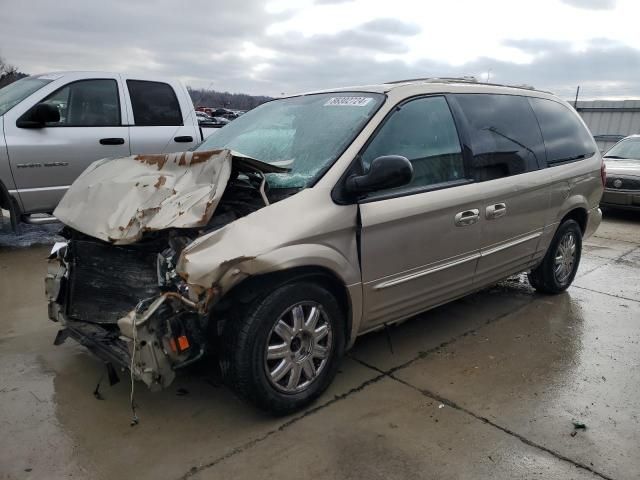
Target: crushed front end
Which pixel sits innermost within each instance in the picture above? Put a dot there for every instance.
(126, 305)
(113, 285)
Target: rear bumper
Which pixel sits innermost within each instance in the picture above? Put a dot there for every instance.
(593, 221)
(625, 199)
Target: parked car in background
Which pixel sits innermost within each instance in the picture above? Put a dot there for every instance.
(321, 217)
(225, 113)
(202, 117)
(53, 126)
(220, 112)
(206, 110)
(206, 121)
(622, 189)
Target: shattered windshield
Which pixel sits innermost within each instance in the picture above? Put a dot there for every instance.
(305, 134)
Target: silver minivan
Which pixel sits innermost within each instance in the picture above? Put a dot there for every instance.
(316, 218)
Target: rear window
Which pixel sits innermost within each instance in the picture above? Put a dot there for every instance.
(504, 135)
(565, 137)
(154, 104)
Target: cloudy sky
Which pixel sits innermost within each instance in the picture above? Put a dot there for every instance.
(287, 46)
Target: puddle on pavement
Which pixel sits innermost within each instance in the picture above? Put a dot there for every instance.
(29, 235)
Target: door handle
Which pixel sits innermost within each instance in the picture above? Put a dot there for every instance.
(468, 217)
(183, 139)
(496, 211)
(112, 141)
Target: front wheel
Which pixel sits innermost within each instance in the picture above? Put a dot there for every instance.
(560, 264)
(284, 350)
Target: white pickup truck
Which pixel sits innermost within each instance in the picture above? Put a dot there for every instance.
(53, 126)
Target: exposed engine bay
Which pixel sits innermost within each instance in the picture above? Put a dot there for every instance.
(114, 286)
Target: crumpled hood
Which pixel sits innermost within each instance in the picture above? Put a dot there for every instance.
(117, 200)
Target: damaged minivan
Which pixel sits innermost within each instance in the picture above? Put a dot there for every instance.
(315, 218)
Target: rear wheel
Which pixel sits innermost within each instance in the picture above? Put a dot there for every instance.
(283, 351)
(560, 264)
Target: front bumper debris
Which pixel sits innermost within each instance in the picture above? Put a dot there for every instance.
(160, 335)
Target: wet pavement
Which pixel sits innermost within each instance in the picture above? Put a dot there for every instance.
(489, 386)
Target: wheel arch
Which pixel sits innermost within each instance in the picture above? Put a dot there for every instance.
(251, 288)
(580, 215)
(8, 202)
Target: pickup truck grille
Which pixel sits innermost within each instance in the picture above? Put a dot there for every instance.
(106, 281)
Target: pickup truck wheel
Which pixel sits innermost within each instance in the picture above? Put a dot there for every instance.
(285, 349)
(560, 264)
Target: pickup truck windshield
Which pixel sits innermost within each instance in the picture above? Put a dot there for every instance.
(305, 134)
(15, 92)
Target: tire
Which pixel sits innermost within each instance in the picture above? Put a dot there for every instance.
(554, 274)
(244, 363)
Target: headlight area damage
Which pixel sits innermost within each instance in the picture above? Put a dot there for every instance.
(114, 285)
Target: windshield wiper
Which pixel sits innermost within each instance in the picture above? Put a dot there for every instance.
(616, 157)
(571, 159)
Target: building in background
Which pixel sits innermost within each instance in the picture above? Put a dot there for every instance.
(610, 120)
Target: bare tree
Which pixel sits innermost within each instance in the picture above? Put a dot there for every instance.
(8, 73)
(6, 68)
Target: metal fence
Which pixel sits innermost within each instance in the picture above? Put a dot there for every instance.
(609, 121)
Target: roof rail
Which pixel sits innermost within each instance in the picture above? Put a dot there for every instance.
(466, 79)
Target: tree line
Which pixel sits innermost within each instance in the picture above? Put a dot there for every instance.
(234, 101)
(9, 73)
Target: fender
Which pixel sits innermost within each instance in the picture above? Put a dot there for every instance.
(302, 255)
(572, 203)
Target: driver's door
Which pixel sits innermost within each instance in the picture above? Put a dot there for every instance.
(420, 244)
(45, 161)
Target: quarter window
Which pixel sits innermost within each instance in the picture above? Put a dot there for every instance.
(504, 135)
(424, 132)
(154, 104)
(86, 103)
(565, 138)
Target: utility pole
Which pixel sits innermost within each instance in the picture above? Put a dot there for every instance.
(575, 102)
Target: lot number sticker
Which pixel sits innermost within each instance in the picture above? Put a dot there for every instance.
(347, 101)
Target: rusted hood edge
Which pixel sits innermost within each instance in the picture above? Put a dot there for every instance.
(117, 200)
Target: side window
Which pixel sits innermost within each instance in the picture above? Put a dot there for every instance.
(154, 104)
(87, 103)
(564, 135)
(504, 135)
(423, 131)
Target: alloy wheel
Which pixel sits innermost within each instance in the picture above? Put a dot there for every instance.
(565, 257)
(298, 347)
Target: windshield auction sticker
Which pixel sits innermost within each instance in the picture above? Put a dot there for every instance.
(347, 101)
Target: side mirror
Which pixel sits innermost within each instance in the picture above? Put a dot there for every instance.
(39, 116)
(389, 171)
